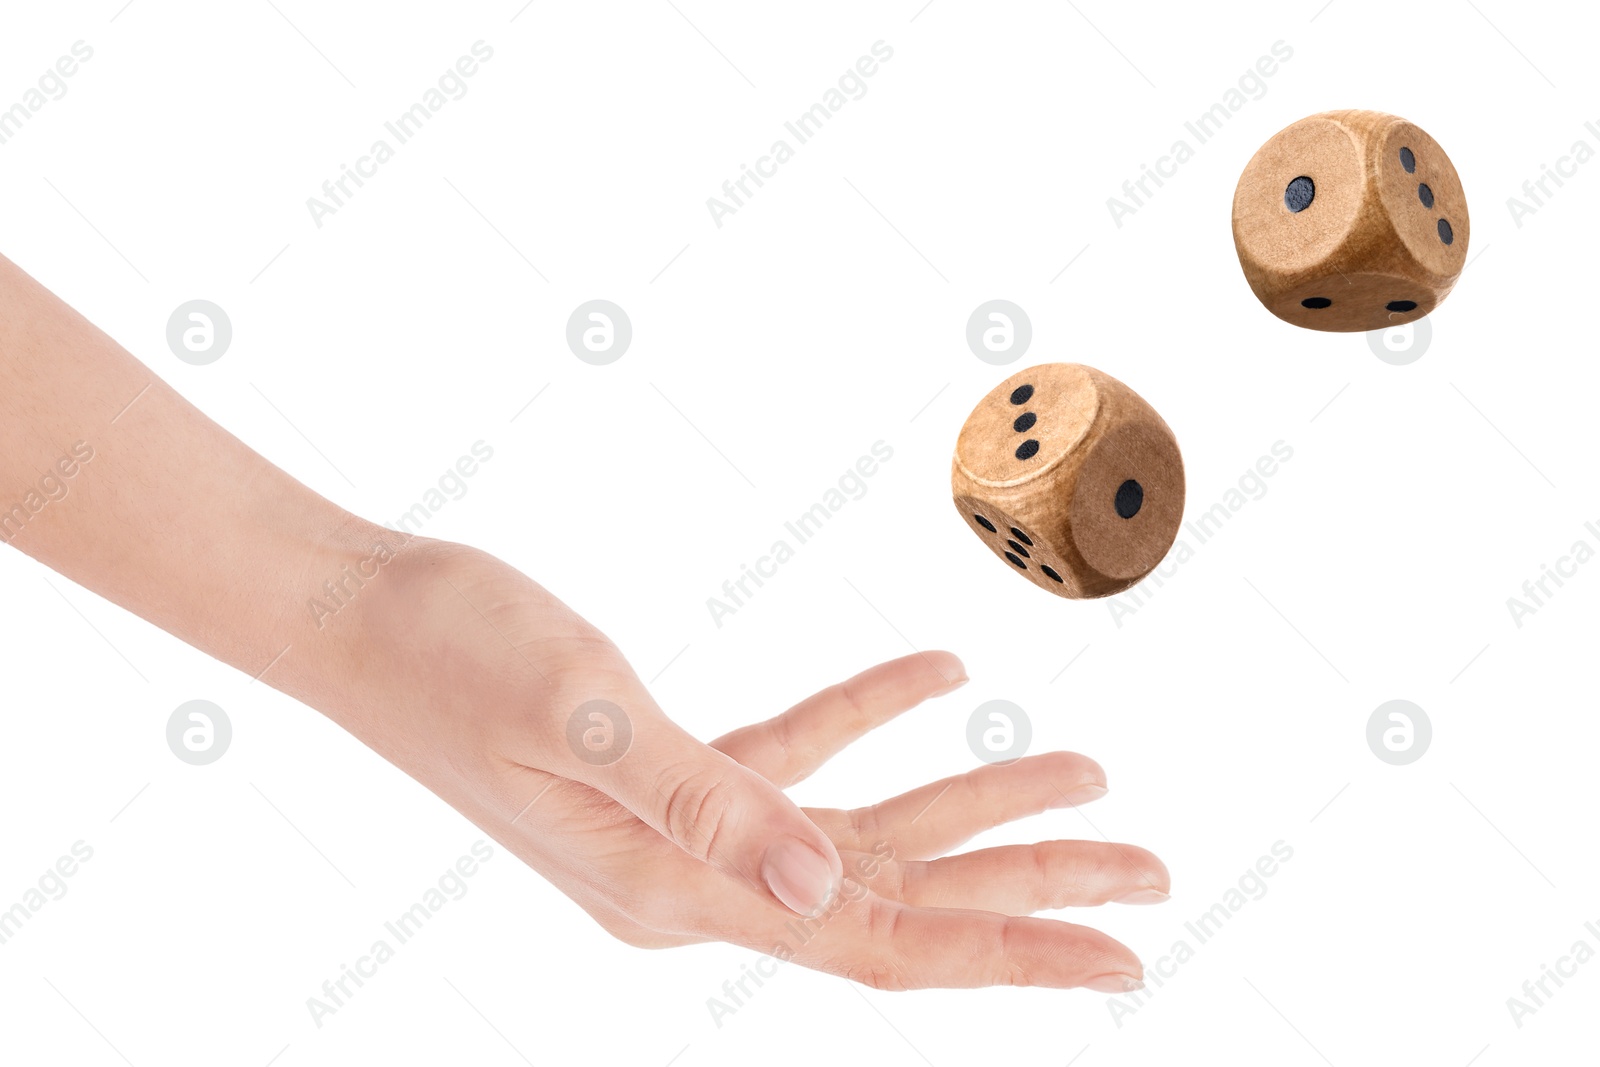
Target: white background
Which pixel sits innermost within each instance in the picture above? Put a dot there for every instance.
(828, 313)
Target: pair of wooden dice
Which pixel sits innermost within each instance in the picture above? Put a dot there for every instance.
(1347, 220)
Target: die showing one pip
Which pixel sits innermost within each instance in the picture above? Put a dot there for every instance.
(1350, 220)
(1070, 478)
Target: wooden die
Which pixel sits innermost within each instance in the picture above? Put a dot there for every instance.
(1070, 478)
(1350, 220)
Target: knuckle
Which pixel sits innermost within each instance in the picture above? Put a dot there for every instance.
(882, 966)
(868, 822)
(700, 807)
(849, 692)
(1011, 946)
(904, 881)
(1051, 883)
(780, 729)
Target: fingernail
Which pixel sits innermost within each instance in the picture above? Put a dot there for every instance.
(1114, 983)
(1081, 795)
(798, 876)
(1143, 895)
(952, 684)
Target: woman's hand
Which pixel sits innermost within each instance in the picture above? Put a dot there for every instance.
(492, 693)
(496, 696)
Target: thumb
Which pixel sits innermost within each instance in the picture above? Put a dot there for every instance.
(713, 807)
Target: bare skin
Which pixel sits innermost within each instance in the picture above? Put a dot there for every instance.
(465, 673)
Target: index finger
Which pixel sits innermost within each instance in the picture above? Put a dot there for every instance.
(790, 747)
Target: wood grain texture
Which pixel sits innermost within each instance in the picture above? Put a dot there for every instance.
(1054, 504)
(1371, 235)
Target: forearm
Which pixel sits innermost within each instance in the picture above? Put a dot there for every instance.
(110, 477)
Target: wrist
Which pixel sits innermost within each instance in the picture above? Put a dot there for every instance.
(312, 633)
(342, 567)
